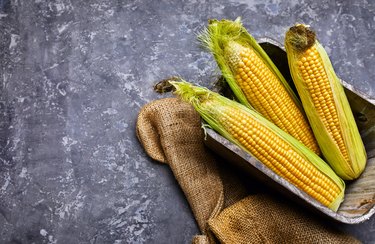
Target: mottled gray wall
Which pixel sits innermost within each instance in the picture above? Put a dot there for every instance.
(73, 76)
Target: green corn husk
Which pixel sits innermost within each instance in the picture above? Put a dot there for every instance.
(299, 40)
(214, 109)
(266, 91)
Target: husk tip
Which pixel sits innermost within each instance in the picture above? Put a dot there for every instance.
(300, 37)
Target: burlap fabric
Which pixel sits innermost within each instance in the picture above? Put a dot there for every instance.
(224, 206)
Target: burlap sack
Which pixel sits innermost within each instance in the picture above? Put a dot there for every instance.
(170, 131)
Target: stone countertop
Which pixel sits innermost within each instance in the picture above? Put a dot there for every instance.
(73, 76)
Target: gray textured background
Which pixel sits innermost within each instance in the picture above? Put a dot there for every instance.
(73, 76)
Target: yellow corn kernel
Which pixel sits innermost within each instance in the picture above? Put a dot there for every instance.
(255, 80)
(325, 103)
(276, 149)
(317, 82)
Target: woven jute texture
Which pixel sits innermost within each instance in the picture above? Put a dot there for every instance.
(226, 209)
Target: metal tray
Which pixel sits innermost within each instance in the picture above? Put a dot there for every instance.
(359, 202)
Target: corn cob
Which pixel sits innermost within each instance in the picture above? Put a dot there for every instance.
(279, 151)
(255, 80)
(325, 103)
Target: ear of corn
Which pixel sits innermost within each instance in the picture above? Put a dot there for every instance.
(275, 148)
(255, 80)
(325, 103)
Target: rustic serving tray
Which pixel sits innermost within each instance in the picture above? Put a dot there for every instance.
(359, 202)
